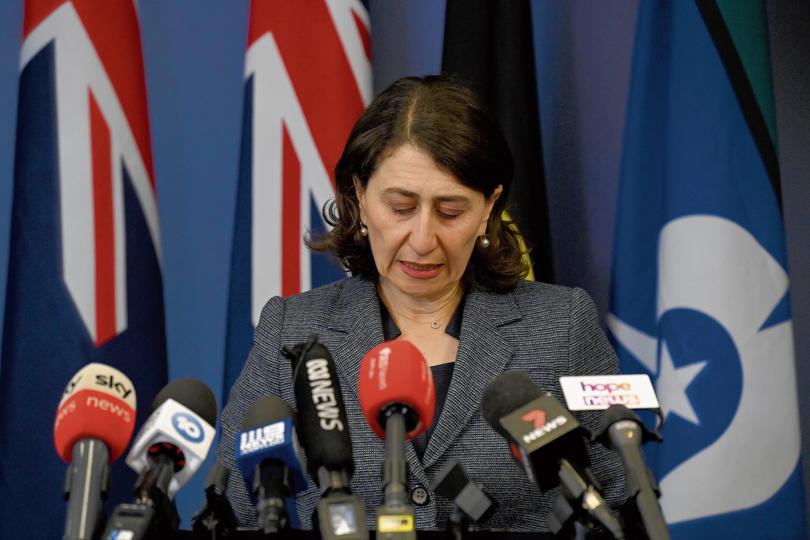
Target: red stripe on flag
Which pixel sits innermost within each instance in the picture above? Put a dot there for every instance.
(104, 225)
(113, 27)
(365, 35)
(37, 11)
(320, 72)
(290, 218)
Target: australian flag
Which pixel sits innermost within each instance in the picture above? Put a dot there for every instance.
(84, 281)
(307, 80)
(700, 278)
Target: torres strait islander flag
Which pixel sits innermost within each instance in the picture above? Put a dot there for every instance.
(84, 280)
(307, 80)
(700, 281)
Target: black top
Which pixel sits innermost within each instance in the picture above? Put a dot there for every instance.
(442, 373)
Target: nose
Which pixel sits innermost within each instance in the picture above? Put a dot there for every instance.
(423, 239)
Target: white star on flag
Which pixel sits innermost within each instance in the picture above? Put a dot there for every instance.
(671, 383)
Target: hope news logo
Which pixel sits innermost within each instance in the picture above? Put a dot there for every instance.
(607, 394)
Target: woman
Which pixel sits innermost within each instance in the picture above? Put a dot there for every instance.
(418, 221)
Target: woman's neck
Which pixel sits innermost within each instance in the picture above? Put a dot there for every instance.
(411, 312)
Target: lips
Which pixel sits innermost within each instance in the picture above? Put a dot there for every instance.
(420, 271)
(420, 267)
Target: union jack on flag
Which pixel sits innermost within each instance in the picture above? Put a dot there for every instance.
(84, 282)
(307, 80)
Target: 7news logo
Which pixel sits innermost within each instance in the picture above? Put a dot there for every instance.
(541, 428)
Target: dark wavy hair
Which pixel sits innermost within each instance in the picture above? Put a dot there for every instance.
(445, 119)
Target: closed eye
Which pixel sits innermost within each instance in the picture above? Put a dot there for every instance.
(449, 214)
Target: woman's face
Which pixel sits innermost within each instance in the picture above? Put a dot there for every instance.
(422, 223)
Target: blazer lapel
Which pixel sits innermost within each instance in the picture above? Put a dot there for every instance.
(482, 355)
(357, 320)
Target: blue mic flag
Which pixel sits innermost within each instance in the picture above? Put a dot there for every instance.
(84, 282)
(700, 284)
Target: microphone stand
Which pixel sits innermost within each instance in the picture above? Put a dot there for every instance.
(217, 519)
(395, 518)
(87, 480)
(624, 432)
(579, 501)
(154, 514)
(459, 524)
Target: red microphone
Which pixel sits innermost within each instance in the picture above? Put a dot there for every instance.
(93, 426)
(394, 377)
(398, 398)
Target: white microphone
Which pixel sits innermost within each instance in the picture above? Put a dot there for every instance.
(175, 424)
(168, 450)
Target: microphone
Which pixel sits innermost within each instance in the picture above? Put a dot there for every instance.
(472, 503)
(94, 423)
(452, 482)
(216, 519)
(548, 441)
(169, 449)
(271, 463)
(324, 432)
(623, 431)
(398, 399)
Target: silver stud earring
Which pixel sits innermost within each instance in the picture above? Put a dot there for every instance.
(484, 241)
(363, 230)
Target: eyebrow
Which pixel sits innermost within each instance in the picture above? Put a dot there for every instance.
(441, 198)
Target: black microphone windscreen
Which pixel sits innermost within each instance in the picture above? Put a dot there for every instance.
(218, 477)
(451, 480)
(615, 413)
(323, 428)
(509, 391)
(267, 410)
(191, 393)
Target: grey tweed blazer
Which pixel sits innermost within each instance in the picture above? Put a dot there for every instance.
(541, 330)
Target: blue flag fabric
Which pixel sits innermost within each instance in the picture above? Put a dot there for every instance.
(54, 322)
(700, 285)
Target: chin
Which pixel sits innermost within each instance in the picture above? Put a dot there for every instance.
(426, 289)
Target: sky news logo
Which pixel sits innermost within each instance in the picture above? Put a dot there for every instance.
(261, 438)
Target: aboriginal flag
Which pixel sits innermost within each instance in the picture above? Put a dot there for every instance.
(489, 45)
